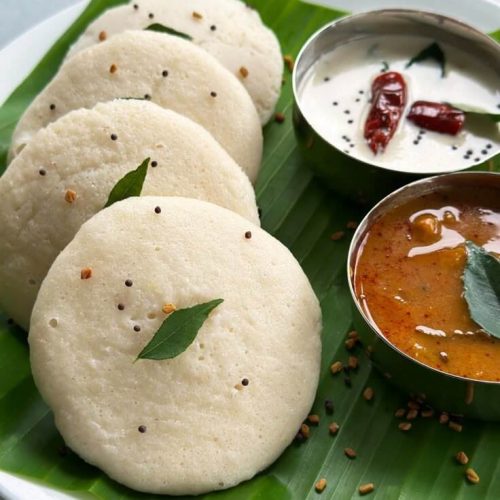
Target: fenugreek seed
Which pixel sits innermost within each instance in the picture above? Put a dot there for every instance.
(337, 235)
(113, 68)
(86, 273)
(333, 428)
(427, 413)
(102, 36)
(313, 419)
(168, 308)
(412, 414)
(444, 418)
(349, 453)
(248, 235)
(320, 485)
(141, 429)
(304, 429)
(353, 334)
(364, 489)
(353, 362)
(413, 405)
(336, 367)
(352, 224)
(350, 344)
(368, 393)
(404, 426)
(400, 412)
(454, 426)
(462, 458)
(238, 387)
(279, 117)
(289, 62)
(472, 476)
(197, 15)
(70, 196)
(243, 72)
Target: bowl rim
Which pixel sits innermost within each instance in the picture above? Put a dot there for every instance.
(352, 18)
(361, 231)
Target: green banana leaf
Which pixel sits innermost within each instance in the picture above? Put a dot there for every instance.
(299, 211)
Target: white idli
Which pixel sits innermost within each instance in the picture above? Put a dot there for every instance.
(80, 160)
(228, 29)
(207, 427)
(172, 72)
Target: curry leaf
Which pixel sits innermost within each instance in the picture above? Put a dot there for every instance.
(472, 110)
(432, 51)
(160, 28)
(178, 331)
(129, 185)
(482, 288)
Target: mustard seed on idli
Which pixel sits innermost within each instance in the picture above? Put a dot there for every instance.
(66, 172)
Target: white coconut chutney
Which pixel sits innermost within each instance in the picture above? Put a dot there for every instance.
(335, 97)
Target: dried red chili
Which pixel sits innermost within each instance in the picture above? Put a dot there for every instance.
(437, 116)
(388, 102)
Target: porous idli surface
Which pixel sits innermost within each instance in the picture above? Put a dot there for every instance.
(172, 72)
(206, 427)
(228, 29)
(65, 174)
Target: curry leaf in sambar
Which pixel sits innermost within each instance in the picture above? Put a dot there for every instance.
(482, 288)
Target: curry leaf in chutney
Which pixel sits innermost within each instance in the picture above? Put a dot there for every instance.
(432, 51)
(473, 111)
(482, 288)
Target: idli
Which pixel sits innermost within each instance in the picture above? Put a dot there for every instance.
(223, 409)
(228, 29)
(170, 71)
(66, 172)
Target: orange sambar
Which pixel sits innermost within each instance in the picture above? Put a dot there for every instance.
(408, 279)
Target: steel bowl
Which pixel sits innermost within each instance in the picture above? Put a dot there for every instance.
(443, 391)
(349, 176)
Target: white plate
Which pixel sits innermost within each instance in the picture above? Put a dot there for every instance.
(21, 55)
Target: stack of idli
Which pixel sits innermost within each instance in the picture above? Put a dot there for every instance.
(94, 285)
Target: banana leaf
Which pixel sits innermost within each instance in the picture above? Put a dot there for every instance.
(298, 210)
